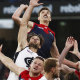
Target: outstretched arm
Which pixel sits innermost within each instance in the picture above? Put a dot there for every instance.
(24, 28)
(18, 12)
(68, 45)
(10, 64)
(67, 69)
(22, 38)
(70, 63)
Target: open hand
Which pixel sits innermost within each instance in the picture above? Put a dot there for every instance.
(75, 50)
(69, 42)
(35, 3)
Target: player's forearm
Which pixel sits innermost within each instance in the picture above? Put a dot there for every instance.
(70, 63)
(22, 37)
(8, 63)
(27, 15)
(63, 54)
(66, 69)
(18, 12)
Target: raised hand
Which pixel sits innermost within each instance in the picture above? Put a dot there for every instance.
(69, 42)
(35, 3)
(75, 50)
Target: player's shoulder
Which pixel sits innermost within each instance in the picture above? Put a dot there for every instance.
(51, 31)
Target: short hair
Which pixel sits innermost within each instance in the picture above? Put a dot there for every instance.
(49, 63)
(44, 8)
(39, 57)
(34, 34)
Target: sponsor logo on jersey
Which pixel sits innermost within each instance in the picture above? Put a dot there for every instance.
(28, 61)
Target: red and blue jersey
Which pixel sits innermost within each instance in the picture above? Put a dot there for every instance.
(48, 35)
(25, 76)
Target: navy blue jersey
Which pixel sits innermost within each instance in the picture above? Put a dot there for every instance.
(48, 35)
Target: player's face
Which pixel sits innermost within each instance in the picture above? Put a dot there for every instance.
(44, 16)
(36, 66)
(35, 40)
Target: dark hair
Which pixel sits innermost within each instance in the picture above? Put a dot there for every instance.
(39, 57)
(34, 34)
(71, 76)
(44, 8)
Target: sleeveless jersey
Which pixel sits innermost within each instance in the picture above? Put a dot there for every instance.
(48, 35)
(22, 59)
